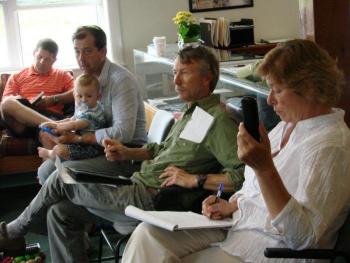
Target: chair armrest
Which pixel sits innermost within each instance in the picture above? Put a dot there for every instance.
(306, 253)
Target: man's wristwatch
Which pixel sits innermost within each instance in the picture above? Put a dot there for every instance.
(201, 178)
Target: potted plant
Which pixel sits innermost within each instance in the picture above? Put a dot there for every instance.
(188, 29)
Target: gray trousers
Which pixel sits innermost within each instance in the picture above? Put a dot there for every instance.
(97, 164)
(66, 207)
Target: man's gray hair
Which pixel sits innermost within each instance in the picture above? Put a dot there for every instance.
(206, 58)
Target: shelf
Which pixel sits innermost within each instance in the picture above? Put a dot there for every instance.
(258, 49)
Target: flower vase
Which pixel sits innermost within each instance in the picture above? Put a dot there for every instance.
(185, 42)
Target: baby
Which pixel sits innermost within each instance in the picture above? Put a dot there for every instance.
(88, 117)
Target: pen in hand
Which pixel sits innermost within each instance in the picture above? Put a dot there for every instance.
(218, 194)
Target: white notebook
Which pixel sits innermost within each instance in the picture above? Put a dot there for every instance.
(172, 221)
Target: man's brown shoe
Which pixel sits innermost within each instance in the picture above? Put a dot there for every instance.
(11, 247)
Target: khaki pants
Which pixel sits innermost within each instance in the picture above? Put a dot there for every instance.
(150, 244)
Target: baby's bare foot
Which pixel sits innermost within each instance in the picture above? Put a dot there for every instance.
(43, 153)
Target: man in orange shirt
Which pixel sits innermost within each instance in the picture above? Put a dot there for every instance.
(17, 113)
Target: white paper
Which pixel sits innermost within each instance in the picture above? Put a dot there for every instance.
(172, 221)
(196, 128)
(66, 178)
(241, 70)
(224, 32)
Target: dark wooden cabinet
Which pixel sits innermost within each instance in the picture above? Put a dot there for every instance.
(327, 22)
(257, 49)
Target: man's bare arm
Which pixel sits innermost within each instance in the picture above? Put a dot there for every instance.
(63, 98)
(115, 151)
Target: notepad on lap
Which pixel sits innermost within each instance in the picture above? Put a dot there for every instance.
(173, 221)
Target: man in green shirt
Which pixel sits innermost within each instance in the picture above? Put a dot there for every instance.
(199, 152)
(181, 161)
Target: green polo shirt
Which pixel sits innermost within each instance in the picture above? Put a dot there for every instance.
(217, 153)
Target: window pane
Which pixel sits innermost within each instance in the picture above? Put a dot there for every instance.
(57, 23)
(4, 61)
(51, 2)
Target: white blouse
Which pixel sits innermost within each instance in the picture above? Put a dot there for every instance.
(315, 168)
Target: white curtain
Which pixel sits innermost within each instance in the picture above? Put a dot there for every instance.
(113, 26)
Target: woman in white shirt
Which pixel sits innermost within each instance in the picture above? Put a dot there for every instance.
(295, 192)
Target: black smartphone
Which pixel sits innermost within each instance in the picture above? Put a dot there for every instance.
(251, 116)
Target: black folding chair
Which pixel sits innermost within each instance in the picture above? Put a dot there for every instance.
(340, 253)
(160, 126)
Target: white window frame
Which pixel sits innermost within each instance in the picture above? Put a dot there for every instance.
(114, 34)
(108, 14)
(12, 34)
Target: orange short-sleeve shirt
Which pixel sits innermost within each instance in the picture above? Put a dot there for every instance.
(28, 84)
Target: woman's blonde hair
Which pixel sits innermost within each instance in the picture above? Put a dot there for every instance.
(306, 69)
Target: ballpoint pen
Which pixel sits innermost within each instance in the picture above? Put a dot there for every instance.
(219, 192)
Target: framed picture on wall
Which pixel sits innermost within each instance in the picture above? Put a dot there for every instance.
(212, 5)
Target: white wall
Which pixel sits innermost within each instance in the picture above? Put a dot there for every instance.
(142, 19)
